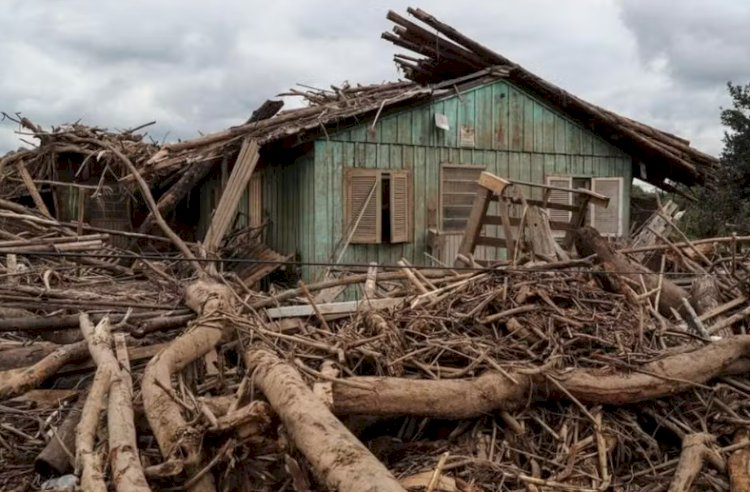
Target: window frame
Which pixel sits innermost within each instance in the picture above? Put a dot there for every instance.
(442, 191)
(556, 233)
(620, 200)
(591, 212)
(379, 174)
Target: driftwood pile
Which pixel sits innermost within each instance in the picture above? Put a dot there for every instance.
(587, 374)
(159, 366)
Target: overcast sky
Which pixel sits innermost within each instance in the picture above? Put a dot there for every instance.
(199, 66)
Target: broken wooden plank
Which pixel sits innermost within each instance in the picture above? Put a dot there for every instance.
(33, 190)
(332, 308)
(230, 198)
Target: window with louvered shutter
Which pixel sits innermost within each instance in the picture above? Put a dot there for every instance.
(608, 221)
(458, 187)
(560, 197)
(362, 204)
(400, 207)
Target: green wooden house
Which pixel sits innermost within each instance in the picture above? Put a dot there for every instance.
(379, 173)
(399, 182)
(421, 175)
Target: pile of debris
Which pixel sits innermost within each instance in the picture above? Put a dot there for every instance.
(154, 362)
(579, 374)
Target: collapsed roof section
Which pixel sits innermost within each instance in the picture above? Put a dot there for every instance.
(448, 54)
(450, 58)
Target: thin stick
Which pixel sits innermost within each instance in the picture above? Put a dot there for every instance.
(435, 480)
(310, 299)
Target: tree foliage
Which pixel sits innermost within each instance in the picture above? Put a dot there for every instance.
(726, 208)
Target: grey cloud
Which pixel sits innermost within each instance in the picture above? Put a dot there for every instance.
(702, 43)
(201, 66)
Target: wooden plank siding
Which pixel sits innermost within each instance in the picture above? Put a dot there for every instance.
(289, 205)
(515, 136)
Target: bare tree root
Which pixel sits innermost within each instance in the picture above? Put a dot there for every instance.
(343, 462)
(469, 398)
(176, 438)
(14, 382)
(695, 450)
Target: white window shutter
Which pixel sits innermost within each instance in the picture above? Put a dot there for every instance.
(608, 221)
(400, 207)
(363, 206)
(562, 198)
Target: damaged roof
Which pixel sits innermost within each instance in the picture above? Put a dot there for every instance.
(448, 60)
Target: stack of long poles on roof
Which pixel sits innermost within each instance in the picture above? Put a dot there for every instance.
(449, 54)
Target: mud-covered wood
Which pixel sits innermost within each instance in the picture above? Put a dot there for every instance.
(335, 453)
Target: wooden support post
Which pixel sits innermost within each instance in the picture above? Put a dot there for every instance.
(488, 184)
(81, 210)
(507, 229)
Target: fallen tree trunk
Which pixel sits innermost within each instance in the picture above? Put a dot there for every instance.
(88, 459)
(343, 462)
(588, 241)
(127, 472)
(21, 355)
(176, 438)
(470, 398)
(16, 381)
(65, 321)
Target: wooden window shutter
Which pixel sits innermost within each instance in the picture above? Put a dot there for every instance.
(608, 221)
(458, 187)
(362, 206)
(562, 198)
(400, 207)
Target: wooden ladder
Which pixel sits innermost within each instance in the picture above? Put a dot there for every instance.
(494, 188)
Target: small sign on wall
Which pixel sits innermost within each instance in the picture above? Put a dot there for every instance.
(466, 136)
(441, 121)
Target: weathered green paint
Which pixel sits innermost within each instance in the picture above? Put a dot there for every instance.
(290, 206)
(516, 136)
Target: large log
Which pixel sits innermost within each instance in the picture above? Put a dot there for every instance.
(127, 472)
(470, 398)
(343, 462)
(588, 242)
(88, 458)
(16, 381)
(17, 355)
(65, 321)
(175, 436)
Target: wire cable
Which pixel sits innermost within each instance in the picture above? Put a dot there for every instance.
(499, 268)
